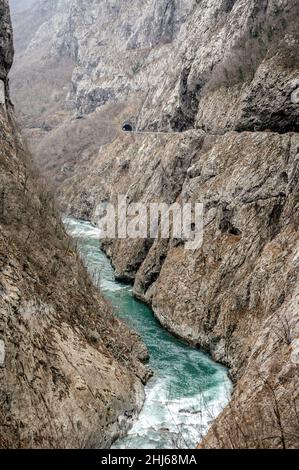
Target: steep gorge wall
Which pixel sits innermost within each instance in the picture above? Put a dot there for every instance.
(6, 48)
(70, 372)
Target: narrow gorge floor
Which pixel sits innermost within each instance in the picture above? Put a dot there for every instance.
(188, 389)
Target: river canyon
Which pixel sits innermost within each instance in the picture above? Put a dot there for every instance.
(143, 343)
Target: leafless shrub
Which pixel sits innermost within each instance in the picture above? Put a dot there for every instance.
(283, 329)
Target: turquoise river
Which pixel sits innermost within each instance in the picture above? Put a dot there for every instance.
(188, 389)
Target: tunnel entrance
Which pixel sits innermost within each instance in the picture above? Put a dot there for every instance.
(127, 127)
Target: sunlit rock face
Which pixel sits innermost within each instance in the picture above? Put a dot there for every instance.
(2, 92)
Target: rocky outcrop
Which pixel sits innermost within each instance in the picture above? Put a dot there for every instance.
(70, 372)
(227, 82)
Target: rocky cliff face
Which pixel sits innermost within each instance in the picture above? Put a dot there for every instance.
(226, 75)
(234, 67)
(87, 64)
(70, 372)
